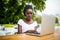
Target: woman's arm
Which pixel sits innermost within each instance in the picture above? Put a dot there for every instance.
(31, 31)
(19, 29)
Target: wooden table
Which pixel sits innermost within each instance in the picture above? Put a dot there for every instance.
(29, 37)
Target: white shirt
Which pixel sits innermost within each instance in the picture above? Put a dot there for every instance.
(26, 26)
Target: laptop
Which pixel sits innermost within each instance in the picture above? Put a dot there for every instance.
(47, 25)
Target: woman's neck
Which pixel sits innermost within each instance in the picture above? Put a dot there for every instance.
(29, 21)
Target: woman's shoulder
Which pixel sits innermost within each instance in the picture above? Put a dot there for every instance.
(20, 21)
(35, 22)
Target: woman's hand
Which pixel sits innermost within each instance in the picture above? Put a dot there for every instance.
(31, 31)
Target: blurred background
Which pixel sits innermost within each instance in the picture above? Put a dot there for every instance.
(12, 10)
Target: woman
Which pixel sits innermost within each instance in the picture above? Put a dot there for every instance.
(27, 25)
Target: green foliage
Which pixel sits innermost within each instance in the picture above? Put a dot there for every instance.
(57, 24)
(12, 10)
(56, 20)
(8, 25)
(37, 18)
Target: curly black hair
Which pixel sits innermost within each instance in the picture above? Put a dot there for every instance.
(27, 7)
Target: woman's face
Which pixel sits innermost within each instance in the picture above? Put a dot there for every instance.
(29, 14)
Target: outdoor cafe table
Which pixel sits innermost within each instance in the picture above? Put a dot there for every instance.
(29, 37)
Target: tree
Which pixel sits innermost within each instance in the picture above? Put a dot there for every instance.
(56, 20)
(12, 10)
(37, 18)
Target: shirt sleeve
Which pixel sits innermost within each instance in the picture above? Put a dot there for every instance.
(35, 24)
(20, 22)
